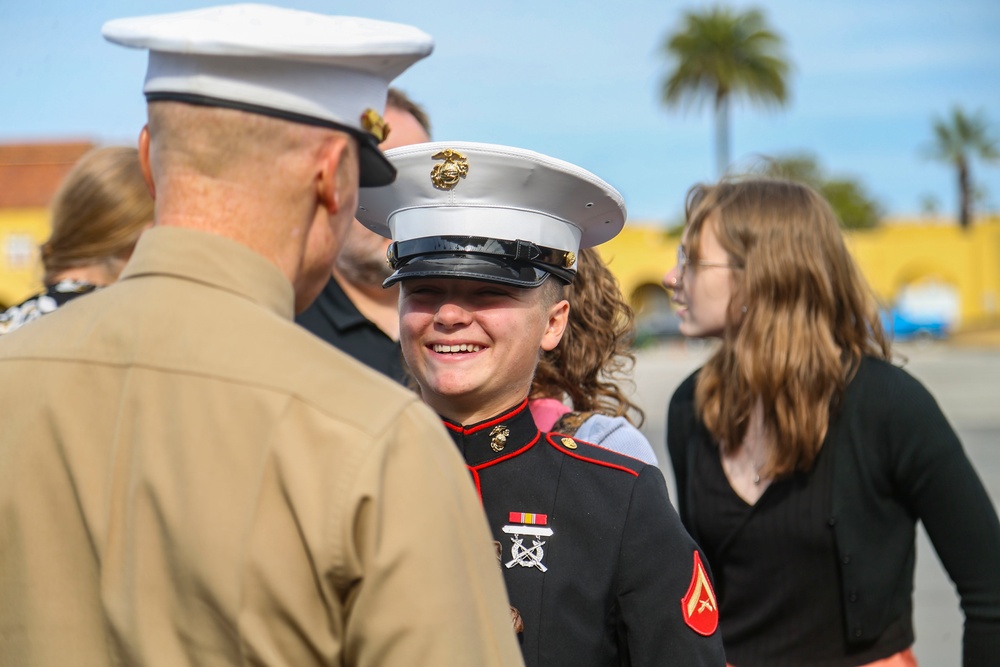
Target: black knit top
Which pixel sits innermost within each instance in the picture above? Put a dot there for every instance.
(830, 555)
(776, 570)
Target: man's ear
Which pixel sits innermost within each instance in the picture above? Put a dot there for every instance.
(558, 319)
(330, 178)
(147, 171)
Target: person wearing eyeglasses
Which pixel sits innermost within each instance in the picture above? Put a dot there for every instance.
(803, 456)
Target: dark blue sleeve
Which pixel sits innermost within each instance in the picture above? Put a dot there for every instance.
(663, 624)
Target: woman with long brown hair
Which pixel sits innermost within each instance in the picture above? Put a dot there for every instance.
(578, 388)
(803, 457)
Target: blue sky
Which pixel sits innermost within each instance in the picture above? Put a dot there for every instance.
(580, 81)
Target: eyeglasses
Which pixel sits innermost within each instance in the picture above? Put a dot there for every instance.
(683, 262)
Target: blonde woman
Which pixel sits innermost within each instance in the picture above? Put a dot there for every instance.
(803, 457)
(98, 213)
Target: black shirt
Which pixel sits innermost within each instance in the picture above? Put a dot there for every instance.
(895, 460)
(52, 298)
(776, 569)
(335, 319)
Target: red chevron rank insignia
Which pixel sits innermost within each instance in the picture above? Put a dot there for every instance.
(698, 606)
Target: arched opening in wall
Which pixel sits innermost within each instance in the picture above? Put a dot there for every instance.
(655, 318)
(925, 308)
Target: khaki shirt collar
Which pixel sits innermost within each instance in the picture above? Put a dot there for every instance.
(214, 260)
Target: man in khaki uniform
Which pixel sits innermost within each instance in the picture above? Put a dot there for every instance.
(186, 476)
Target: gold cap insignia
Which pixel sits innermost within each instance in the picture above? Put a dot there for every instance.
(445, 176)
(498, 437)
(569, 443)
(373, 122)
(570, 259)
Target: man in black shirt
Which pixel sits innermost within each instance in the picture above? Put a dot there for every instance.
(354, 312)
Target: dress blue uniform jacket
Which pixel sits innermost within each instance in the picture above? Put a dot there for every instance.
(594, 556)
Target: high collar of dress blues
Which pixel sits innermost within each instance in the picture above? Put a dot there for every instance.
(497, 437)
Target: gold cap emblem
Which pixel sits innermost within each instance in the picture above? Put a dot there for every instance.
(569, 443)
(445, 176)
(373, 122)
(570, 259)
(498, 437)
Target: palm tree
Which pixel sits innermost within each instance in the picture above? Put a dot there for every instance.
(717, 53)
(956, 140)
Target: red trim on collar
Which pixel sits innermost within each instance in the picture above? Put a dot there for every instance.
(475, 478)
(493, 422)
(511, 455)
(587, 459)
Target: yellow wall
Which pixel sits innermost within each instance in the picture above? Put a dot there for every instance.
(897, 254)
(22, 230)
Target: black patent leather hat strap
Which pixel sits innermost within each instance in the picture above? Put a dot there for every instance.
(521, 251)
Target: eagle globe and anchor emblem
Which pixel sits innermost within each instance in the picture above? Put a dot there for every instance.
(445, 176)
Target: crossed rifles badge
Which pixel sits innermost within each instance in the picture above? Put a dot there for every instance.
(535, 526)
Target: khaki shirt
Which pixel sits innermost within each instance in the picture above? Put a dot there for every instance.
(188, 478)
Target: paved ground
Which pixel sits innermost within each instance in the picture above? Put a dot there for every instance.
(965, 379)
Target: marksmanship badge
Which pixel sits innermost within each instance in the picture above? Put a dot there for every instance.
(535, 526)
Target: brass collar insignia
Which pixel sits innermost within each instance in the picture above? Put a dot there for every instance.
(498, 437)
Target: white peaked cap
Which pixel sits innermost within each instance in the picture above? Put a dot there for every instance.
(487, 212)
(332, 71)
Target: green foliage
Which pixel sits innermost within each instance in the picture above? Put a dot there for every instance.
(848, 198)
(960, 136)
(855, 208)
(957, 139)
(719, 52)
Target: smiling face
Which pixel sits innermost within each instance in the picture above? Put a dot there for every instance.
(702, 290)
(472, 346)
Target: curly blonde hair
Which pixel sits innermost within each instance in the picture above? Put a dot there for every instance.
(594, 358)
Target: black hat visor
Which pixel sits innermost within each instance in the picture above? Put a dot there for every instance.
(488, 268)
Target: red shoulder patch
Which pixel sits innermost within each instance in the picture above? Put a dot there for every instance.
(699, 606)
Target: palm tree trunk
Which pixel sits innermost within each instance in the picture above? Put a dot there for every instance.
(964, 194)
(721, 133)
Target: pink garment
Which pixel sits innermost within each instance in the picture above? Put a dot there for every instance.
(546, 412)
(901, 659)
